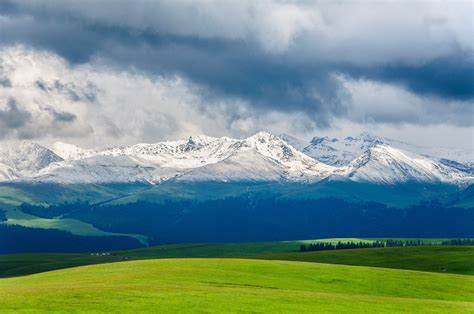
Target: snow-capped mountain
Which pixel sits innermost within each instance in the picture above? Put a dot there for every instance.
(96, 169)
(293, 141)
(26, 158)
(261, 157)
(7, 173)
(460, 156)
(385, 164)
(193, 152)
(467, 167)
(71, 151)
(341, 152)
(333, 151)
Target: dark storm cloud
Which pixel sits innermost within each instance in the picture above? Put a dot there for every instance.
(227, 67)
(231, 62)
(61, 116)
(12, 117)
(234, 69)
(449, 77)
(69, 90)
(4, 82)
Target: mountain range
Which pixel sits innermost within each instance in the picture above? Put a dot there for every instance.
(263, 157)
(208, 189)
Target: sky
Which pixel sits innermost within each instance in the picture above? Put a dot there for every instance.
(103, 73)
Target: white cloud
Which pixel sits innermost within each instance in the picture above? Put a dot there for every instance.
(117, 107)
(94, 105)
(360, 32)
(380, 103)
(42, 96)
(273, 24)
(380, 32)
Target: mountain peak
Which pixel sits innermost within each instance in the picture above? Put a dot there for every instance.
(382, 163)
(369, 137)
(27, 157)
(263, 135)
(321, 140)
(201, 138)
(69, 151)
(293, 141)
(262, 156)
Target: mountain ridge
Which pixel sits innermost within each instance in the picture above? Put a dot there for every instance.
(260, 157)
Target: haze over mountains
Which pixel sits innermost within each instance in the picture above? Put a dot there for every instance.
(258, 158)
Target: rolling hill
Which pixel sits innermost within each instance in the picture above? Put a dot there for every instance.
(444, 259)
(218, 285)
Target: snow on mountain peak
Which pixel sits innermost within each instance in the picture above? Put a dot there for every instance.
(320, 140)
(70, 151)
(26, 157)
(195, 151)
(369, 137)
(7, 173)
(293, 141)
(385, 164)
(260, 157)
(340, 152)
(296, 163)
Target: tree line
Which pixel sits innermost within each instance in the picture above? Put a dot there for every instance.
(325, 246)
(458, 242)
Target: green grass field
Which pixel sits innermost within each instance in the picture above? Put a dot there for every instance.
(23, 264)
(273, 277)
(230, 285)
(450, 259)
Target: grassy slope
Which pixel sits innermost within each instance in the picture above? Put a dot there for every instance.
(229, 249)
(452, 259)
(22, 264)
(227, 285)
(76, 227)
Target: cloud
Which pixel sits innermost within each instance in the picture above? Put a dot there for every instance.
(5, 82)
(11, 117)
(62, 117)
(274, 55)
(35, 104)
(278, 25)
(378, 103)
(272, 24)
(447, 77)
(95, 104)
(226, 67)
(125, 107)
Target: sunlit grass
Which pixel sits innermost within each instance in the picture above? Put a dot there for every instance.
(229, 285)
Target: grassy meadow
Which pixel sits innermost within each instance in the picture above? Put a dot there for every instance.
(23, 264)
(449, 259)
(241, 277)
(231, 285)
